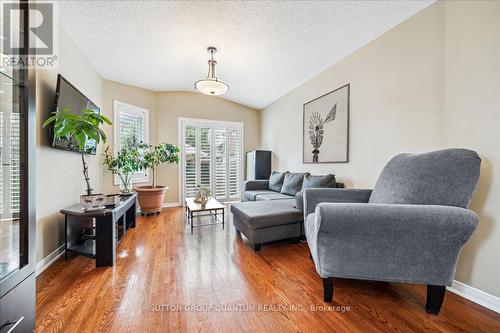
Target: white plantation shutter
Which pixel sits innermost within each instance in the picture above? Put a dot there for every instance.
(10, 172)
(211, 157)
(220, 163)
(130, 121)
(205, 157)
(190, 161)
(15, 162)
(234, 162)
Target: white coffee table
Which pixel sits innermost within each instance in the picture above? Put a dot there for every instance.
(211, 208)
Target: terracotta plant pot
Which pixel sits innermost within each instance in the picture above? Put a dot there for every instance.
(151, 198)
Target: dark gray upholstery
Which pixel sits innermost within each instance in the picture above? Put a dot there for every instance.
(276, 181)
(388, 242)
(318, 195)
(411, 229)
(251, 195)
(253, 185)
(311, 181)
(293, 182)
(444, 177)
(265, 214)
(272, 196)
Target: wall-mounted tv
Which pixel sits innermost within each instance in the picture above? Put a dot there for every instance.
(67, 96)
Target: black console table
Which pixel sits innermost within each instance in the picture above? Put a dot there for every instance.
(109, 225)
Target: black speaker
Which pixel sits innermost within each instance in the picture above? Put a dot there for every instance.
(258, 164)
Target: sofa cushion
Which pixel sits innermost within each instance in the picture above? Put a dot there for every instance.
(311, 181)
(265, 214)
(250, 195)
(272, 196)
(293, 182)
(276, 181)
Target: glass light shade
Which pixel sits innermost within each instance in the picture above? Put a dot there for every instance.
(212, 87)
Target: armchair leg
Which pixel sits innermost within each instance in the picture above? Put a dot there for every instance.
(435, 297)
(328, 289)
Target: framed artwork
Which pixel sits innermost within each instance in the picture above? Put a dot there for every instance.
(326, 128)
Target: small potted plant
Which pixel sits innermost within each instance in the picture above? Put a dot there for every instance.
(125, 163)
(83, 126)
(151, 196)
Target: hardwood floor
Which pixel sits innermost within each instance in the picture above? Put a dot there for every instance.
(160, 263)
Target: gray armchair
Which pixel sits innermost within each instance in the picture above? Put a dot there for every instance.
(410, 228)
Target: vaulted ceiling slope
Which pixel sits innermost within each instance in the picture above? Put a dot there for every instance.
(266, 48)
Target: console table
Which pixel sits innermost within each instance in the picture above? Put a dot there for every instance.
(111, 224)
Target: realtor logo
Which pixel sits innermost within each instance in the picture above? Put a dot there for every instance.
(42, 34)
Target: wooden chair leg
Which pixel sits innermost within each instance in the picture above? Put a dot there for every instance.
(328, 289)
(435, 297)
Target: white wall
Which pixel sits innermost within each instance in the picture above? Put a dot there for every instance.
(59, 179)
(431, 82)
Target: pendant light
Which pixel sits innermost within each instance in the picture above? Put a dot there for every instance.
(211, 85)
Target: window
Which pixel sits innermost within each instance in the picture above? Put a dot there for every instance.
(211, 153)
(130, 121)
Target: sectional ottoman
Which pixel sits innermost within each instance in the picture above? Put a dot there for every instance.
(271, 209)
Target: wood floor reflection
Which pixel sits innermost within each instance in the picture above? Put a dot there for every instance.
(166, 279)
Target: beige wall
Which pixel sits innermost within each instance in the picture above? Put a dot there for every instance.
(172, 105)
(472, 120)
(132, 95)
(395, 105)
(432, 81)
(59, 180)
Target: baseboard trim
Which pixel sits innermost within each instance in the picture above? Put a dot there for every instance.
(171, 204)
(475, 295)
(49, 260)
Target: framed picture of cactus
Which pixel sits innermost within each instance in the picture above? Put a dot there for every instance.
(326, 128)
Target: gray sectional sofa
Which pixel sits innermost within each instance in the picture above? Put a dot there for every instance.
(272, 209)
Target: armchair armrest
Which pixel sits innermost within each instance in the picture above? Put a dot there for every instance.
(314, 196)
(389, 242)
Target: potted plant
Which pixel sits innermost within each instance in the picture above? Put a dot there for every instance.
(83, 126)
(151, 196)
(125, 163)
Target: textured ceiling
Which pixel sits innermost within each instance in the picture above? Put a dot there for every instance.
(266, 48)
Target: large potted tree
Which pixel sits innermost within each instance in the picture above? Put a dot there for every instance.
(151, 196)
(83, 126)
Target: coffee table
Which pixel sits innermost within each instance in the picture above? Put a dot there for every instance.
(211, 208)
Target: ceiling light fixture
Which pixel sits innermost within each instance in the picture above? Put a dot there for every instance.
(211, 85)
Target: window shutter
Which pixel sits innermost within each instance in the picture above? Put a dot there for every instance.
(211, 158)
(190, 161)
(220, 163)
(130, 121)
(234, 157)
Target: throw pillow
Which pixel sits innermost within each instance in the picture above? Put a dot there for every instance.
(293, 183)
(276, 181)
(319, 181)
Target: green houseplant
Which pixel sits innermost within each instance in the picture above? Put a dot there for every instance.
(125, 162)
(151, 196)
(82, 127)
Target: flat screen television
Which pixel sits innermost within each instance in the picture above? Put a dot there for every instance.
(67, 96)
